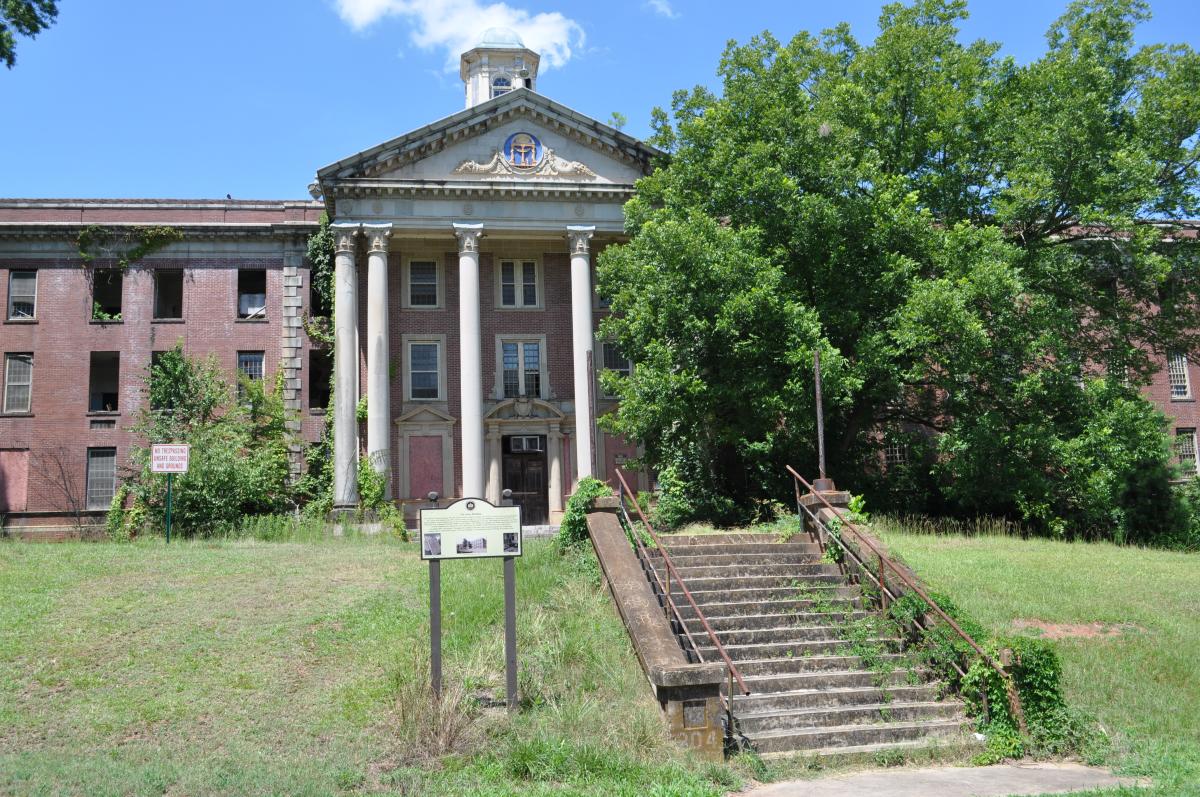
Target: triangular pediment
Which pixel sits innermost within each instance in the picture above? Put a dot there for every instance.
(425, 415)
(519, 137)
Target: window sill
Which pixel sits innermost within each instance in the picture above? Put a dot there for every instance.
(102, 413)
(21, 321)
(16, 414)
(1182, 398)
(252, 320)
(424, 400)
(102, 323)
(510, 309)
(317, 410)
(420, 307)
(166, 320)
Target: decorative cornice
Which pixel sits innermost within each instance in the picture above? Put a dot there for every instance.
(468, 237)
(492, 189)
(550, 165)
(579, 236)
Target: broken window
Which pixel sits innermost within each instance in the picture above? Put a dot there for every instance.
(104, 379)
(168, 294)
(252, 294)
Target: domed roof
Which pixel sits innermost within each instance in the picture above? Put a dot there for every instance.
(501, 37)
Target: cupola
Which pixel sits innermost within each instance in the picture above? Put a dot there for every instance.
(498, 64)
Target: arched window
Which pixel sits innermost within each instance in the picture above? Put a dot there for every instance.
(501, 85)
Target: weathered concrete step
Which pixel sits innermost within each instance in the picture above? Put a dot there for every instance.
(788, 585)
(833, 680)
(803, 739)
(797, 545)
(756, 636)
(803, 572)
(926, 749)
(738, 622)
(797, 608)
(841, 716)
(766, 702)
(785, 665)
(775, 650)
(730, 559)
(706, 593)
(736, 538)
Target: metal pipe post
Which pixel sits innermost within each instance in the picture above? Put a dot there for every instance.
(435, 625)
(820, 415)
(510, 630)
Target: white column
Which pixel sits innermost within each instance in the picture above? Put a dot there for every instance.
(554, 444)
(581, 338)
(470, 364)
(345, 366)
(494, 451)
(379, 412)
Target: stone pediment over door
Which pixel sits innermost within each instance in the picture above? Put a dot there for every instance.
(425, 416)
(520, 136)
(524, 409)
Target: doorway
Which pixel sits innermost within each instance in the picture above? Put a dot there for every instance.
(524, 472)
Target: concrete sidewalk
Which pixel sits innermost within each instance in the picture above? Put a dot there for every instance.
(1001, 780)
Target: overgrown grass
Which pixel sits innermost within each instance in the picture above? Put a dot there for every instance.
(244, 667)
(1143, 683)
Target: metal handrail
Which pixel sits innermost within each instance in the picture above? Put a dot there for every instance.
(1014, 701)
(672, 572)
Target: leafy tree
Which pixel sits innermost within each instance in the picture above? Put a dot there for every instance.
(971, 243)
(238, 462)
(26, 17)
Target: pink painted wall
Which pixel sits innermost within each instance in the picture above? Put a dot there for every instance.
(425, 465)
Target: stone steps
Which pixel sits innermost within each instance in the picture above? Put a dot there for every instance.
(780, 612)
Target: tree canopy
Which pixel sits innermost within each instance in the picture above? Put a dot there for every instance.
(26, 17)
(992, 258)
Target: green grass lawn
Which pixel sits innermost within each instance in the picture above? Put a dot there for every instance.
(280, 668)
(1143, 685)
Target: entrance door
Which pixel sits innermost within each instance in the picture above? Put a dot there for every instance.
(524, 466)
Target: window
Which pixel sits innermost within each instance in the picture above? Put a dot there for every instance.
(252, 294)
(422, 283)
(101, 477)
(106, 294)
(250, 365)
(320, 369)
(1185, 450)
(104, 379)
(518, 283)
(532, 442)
(18, 382)
(613, 360)
(521, 362)
(22, 294)
(424, 377)
(895, 453)
(501, 85)
(168, 294)
(1177, 375)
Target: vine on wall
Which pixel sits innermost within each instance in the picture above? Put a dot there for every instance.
(124, 246)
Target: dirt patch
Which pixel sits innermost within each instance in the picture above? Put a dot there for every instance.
(1073, 631)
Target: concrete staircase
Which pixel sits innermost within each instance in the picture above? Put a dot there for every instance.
(785, 617)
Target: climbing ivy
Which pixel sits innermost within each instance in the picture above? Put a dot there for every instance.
(124, 246)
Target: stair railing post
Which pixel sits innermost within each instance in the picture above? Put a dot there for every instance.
(883, 598)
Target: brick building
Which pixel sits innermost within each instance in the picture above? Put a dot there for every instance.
(465, 311)
(481, 227)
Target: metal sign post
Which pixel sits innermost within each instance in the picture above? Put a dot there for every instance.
(170, 459)
(472, 528)
(820, 415)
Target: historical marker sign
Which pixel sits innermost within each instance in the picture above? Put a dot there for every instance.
(470, 529)
(169, 458)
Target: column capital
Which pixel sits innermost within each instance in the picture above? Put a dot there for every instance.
(578, 236)
(468, 236)
(346, 235)
(377, 236)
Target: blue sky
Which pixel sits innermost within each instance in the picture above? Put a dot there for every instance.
(145, 98)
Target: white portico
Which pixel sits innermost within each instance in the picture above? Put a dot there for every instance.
(474, 238)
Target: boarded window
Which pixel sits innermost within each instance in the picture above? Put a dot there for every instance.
(14, 480)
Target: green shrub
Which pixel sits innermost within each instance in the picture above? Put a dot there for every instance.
(573, 529)
(115, 526)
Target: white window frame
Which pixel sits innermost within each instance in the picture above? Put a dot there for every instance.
(543, 371)
(9, 357)
(87, 485)
(11, 296)
(1184, 438)
(519, 285)
(406, 343)
(512, 84)
(440, 284)
(1178, 376)
(604, 344)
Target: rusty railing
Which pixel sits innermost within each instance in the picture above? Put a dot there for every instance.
(883, 564)
(669, 605)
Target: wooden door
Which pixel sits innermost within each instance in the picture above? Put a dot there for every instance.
(524, 472)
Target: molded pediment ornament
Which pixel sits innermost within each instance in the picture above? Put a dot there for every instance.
(524, 156)
(520, 409)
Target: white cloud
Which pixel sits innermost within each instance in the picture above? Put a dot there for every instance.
(662, 8)
(455, 25)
